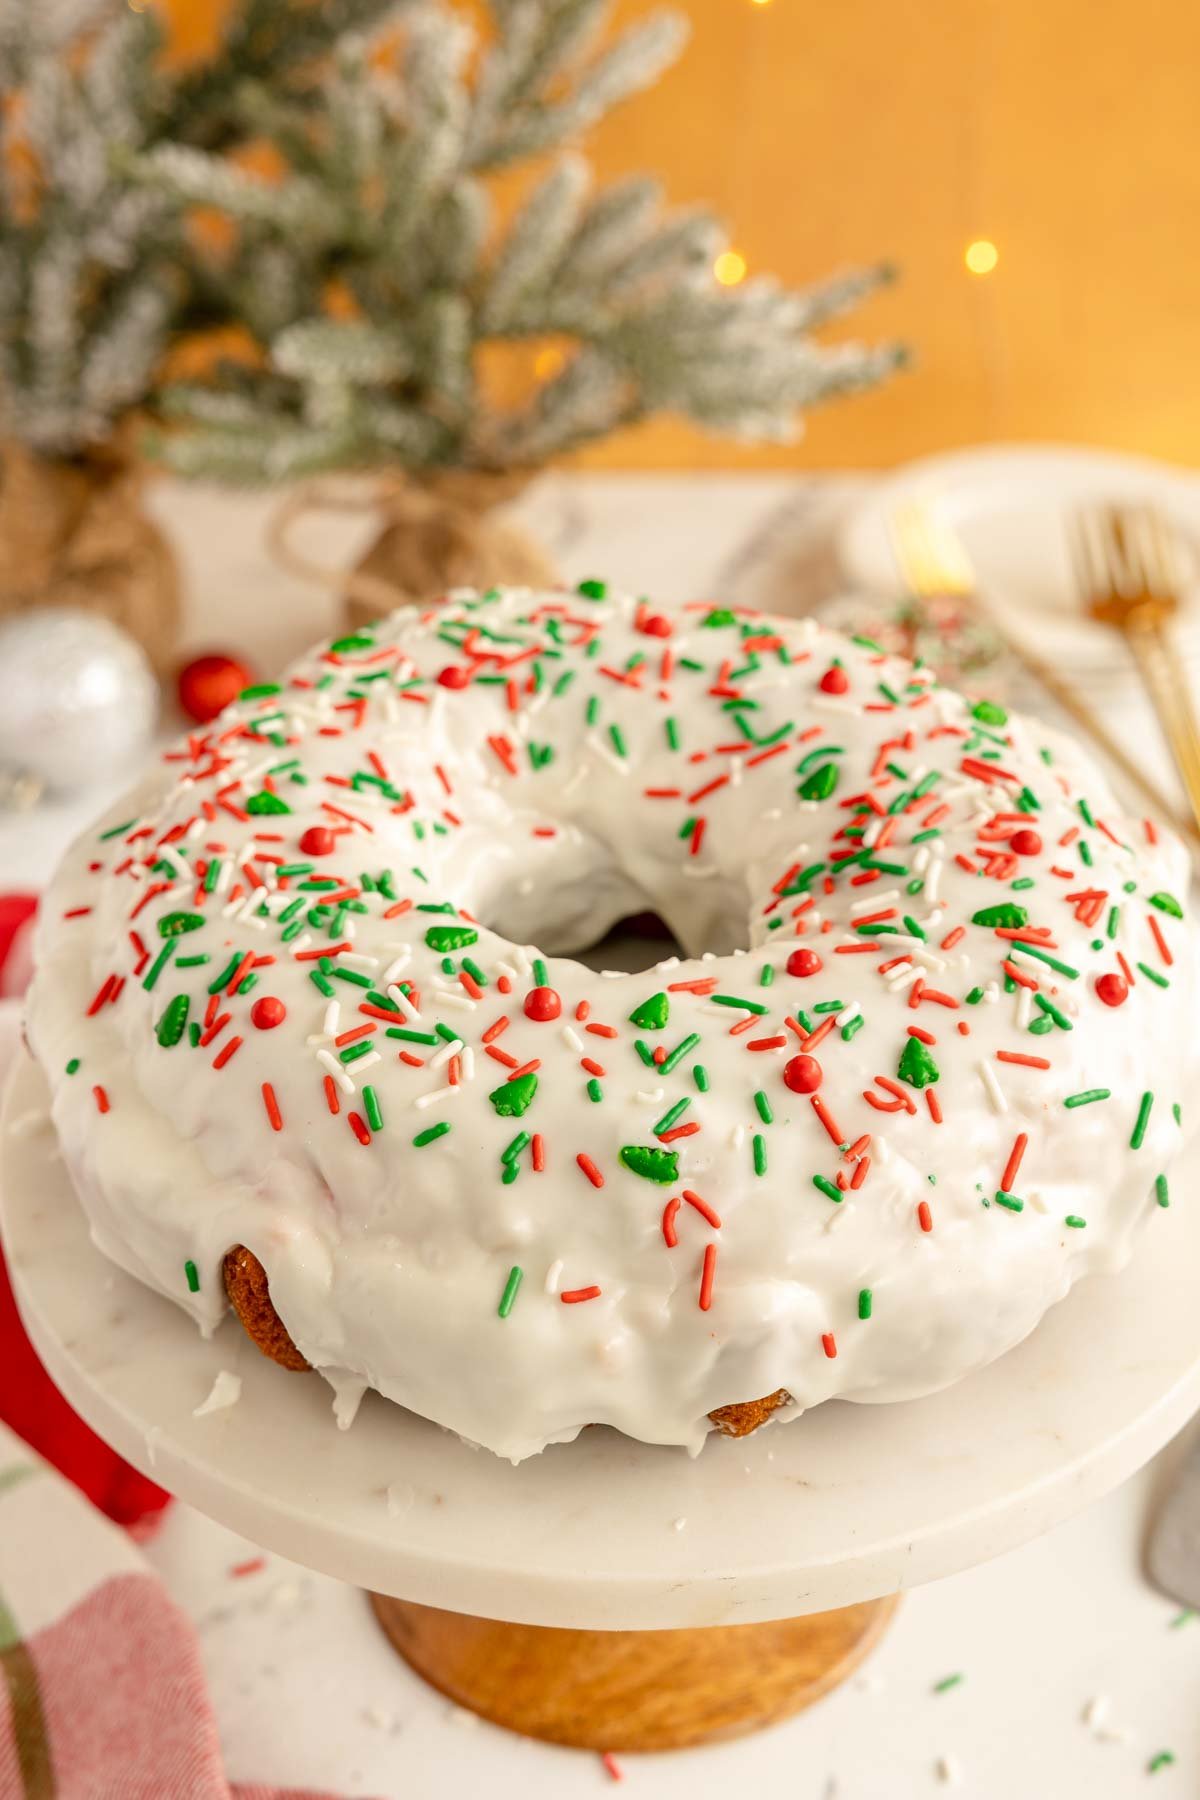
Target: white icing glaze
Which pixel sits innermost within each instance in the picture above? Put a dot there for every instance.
(548, 799)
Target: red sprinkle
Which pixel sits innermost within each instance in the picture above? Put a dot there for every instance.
(707, 1276)
(924, 1216)
(573, 1296)
(590, 1170)
(1014, 1162)
(702, 1207)
(829, 1344)
(358, 1126)
(272, 1106)
(670, 1235)
(101, 1098)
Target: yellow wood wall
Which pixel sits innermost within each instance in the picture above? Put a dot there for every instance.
(1066, 131)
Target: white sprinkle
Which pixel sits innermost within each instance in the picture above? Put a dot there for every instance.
(445, 1053)
(875, 901)
(572, 1039)
(455, 998)
(650, 1096)
(351, 959)
(1024, 1007)
(396, 968)
(333, 1013)
(424, 1100)
(337, 1070)
(678, 1524)
(226, 1391)
(1097, 1710)
(365, 1062)
(949, 1770)
(737, 1137)
(994, 1091)
(849, 1012)
(553, 1276)
(933, 880)
(404, 1003)
(468, 1064)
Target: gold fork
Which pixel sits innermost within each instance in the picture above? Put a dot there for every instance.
(1126, 569)
(932, 560)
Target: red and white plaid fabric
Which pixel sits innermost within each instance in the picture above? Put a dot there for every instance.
(102, 1692)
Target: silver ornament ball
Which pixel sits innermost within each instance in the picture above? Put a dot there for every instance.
(81, 699)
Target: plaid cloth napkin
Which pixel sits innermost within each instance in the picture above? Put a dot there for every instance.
(102, 1693)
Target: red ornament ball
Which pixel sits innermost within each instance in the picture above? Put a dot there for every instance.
(208, 684)
(834, 681)
(318, 840)
(453, 676)
(542, 1004)
(656, 626)
(1113, 990)
(803, 1074)
(804, 962)
(1025, 843)
(267, 1013)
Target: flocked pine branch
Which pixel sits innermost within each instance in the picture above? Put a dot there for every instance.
(385, 197)
(97, 271)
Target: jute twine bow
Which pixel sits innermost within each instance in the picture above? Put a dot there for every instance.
(73, 533)
(438, 532)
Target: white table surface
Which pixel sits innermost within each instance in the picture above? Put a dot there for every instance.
(306, 1690)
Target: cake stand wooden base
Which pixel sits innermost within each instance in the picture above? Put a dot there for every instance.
(632, 1690)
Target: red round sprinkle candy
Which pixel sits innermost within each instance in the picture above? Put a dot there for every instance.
(1025, 843)
(1113, 990)
(804, 962)
(803, 1074)
(267, 1013)
(208, 684)
(656, 626)
(542, 1004)
(453, 676)
(318, 840)
(834, 681)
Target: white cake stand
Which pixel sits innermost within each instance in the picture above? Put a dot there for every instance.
(618, 1546)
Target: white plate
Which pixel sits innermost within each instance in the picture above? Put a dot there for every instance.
(846, 1503)
(1010, 505)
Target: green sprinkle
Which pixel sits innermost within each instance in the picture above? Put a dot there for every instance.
(595, 1091)
(1153, 975)
(1140, 1124)
(174, 924)
(1162, 1760)
(1166, 903)
(512, 1098)
(767, 976)
(266, 803)
(451, 937)
(170, 1027)
(235, 962)
(952, 1681)
(591, 711)
(514, 1149)
(672, 1113)
(1048, 1007)
(650, 1163)
(618, 740)
(851, 1026)
(541, 974)
(754, 1006)
(1044, 956)
(700, 1077)
(764, 1108)
(116, 830)
(352, 976)
(427, 1137)
(320, 983)
(1088, 1096)
(592, 590)
(1007, 914)
(1010, 1201)
(913, 927)
(1075, 1222)
(652, 1014)
(820, 784)
(916, 1066)
(371, 1107)
(828, 1188)
(159, 964)
(760, 1154)
(352, 1052)
(989, 713)
(975, 996)
(193, 1276)
(515, 1278)
(73, 1065)
(866, 1301)
(1161, 1192)
(672, 730)
(1183, 1618)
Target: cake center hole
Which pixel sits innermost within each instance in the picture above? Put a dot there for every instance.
(634, 943)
